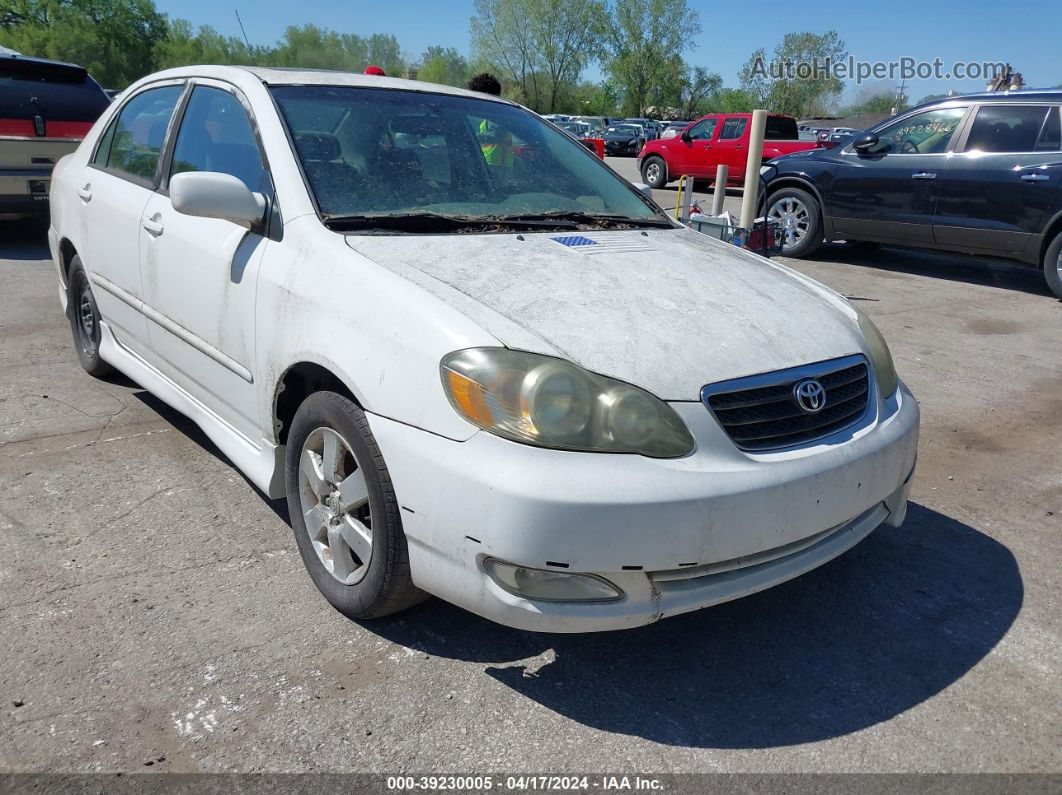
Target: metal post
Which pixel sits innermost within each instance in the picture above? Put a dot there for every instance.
(752, 170)
(687, 198)
(722, 172)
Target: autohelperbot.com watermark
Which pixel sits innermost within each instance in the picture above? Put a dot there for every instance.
(849, 68)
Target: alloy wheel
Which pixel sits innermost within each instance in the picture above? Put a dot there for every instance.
(334, 498)
(793, 218)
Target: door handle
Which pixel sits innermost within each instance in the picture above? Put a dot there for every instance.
(923, 175)
(84, 192)
(1034, 178)
(152, 226)
(739, 146)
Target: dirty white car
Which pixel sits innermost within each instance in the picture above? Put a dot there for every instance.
(476, 362)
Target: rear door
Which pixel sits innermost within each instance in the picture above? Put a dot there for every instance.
(731, 149)
(45, 110)
(889, 192)
(997, 190)
(200, 274)
(114, 189)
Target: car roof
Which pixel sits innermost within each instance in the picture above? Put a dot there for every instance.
(1044, 94)
(283, 76)
(71, 68)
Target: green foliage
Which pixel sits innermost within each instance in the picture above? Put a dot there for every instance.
(795, 81)
(644, 41)
(114, 39)
(312, 47)
(879, 103)
(537, 48)
(730, 100)
(444, 65)
(183, 46)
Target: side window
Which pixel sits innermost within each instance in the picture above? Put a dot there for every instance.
(216, 135)
(1007, 128)
(923, 133)
(703, 130)
(139, 132)
(733, 128)
(103, 148)
(1051, 135)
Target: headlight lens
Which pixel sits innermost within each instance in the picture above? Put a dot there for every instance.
(880, 357)
(549, 402)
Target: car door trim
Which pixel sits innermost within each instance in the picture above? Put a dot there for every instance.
(173, 327)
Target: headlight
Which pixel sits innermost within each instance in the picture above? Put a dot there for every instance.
(880, 357)
(549, 402)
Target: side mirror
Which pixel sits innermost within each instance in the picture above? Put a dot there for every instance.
(864, 142)
(685, 136)
(644, 189)
(210, 194)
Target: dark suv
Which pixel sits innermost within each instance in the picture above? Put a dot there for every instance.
(46, 108)
(978, 174)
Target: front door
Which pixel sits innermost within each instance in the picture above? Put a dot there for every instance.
(889, 191)
(114, 188)
(996, 192)
(689, 152)
(200, 273)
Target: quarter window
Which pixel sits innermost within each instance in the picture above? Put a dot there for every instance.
(135, 142)
(925, 133)
(1012, 128)
(216, 135)
(733, 129)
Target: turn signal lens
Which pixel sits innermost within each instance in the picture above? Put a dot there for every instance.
(549, 402)
(550, 586)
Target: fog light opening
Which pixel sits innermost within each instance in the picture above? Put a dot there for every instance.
(550, 586)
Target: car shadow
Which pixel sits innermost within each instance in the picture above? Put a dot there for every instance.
(24, 240)
(939, 265)
(856, 642)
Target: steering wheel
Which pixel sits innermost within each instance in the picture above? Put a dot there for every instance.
(908, 147)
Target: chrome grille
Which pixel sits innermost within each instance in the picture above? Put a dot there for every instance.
(761, 413)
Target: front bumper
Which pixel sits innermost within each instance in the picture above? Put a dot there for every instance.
(674, 535)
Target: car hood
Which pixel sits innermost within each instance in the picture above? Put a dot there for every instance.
(667, 310)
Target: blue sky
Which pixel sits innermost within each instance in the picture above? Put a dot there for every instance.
(1024, 33)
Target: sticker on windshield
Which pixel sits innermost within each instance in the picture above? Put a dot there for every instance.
(603, 243)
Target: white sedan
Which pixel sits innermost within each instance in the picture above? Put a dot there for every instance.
(476, 362)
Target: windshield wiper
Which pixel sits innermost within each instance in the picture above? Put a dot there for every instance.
(427, 222)
(595, 220)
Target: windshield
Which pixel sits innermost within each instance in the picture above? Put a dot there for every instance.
(388, 154)
(624, 129)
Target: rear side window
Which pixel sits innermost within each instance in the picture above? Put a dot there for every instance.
(216, 135)
(65, 99)
(733, 128)
(1013, 128)
(781, 128)
(1051, 135)
(134, 142)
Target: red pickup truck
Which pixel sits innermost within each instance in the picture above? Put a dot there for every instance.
(714, 139)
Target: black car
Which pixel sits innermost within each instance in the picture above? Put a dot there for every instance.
(623, 139)
(978, 174)
(46, 108)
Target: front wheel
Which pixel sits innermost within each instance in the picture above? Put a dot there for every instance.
(654, 172)
(1052, 266)
(799, 218)
(344, 511)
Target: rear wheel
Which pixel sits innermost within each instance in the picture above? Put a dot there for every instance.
(85, 321)
(799, 217)
(344, 511)
(1052, 265)
(654, 172)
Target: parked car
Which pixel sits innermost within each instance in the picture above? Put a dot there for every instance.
(624, 139)
(46, 108)
(978, 174)
(490, 384)
(834, 136)
(719, 138)
(674, 128)
(649, 127)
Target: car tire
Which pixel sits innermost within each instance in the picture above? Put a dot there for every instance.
(84, 318)
(355, 553)
(1052, 266)
(654, 172)
(800, 206)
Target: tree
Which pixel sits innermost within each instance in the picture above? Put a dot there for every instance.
(730, 100)
(697, 85)
(539, 48)
(182, 47)
(114, 39)
(645, 39)
(797, 81)
(312, 47)
(443, 65)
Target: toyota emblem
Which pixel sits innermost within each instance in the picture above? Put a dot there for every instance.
(810, 396)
